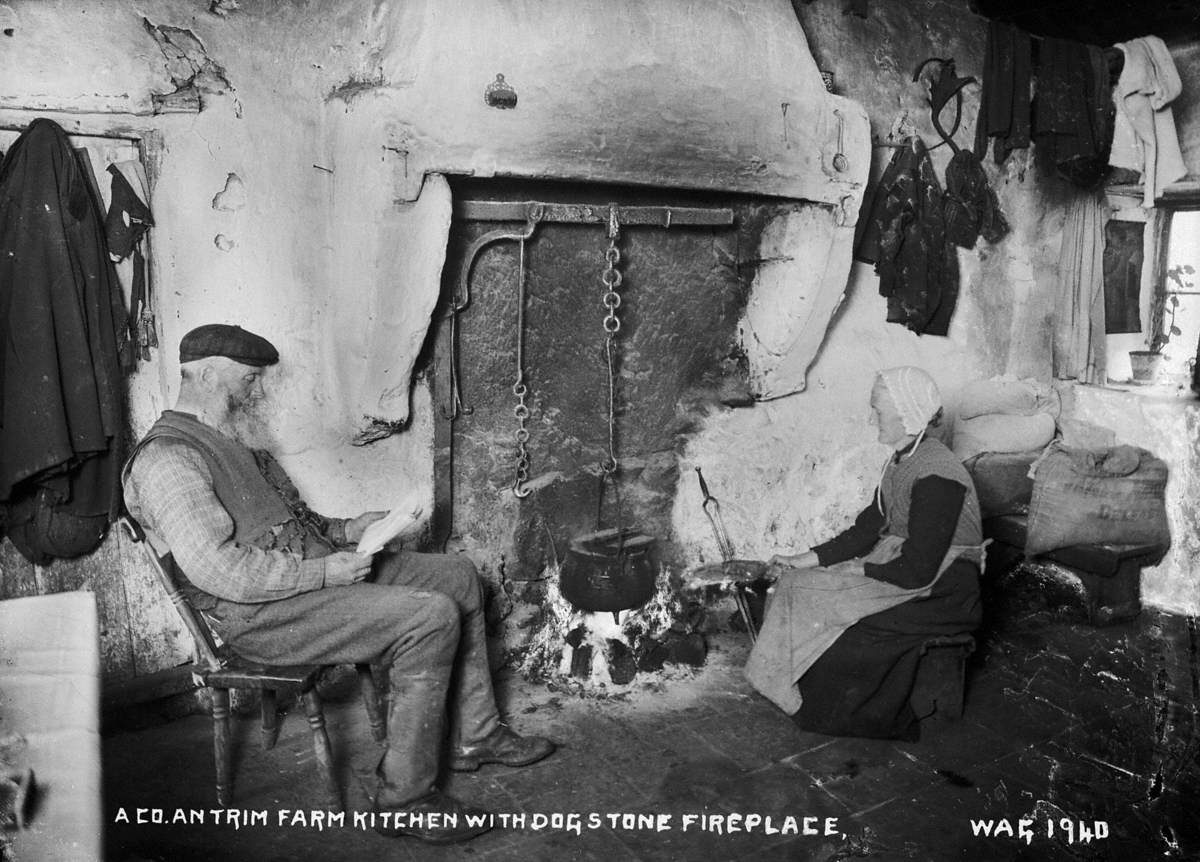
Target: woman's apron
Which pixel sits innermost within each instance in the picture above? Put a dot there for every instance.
(810, 608)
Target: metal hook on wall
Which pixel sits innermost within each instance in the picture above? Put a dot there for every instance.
(947, 84)
(462, 299)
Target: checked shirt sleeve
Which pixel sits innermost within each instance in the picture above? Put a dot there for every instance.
(170, 491)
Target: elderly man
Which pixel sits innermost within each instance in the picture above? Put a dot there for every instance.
(272, 579)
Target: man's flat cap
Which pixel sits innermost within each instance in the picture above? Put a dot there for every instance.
(221, 339)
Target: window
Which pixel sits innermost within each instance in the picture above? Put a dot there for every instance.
(1128, 282)
(1175, 301)
(1152, 291)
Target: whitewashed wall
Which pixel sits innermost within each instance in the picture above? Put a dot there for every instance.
(341, 119)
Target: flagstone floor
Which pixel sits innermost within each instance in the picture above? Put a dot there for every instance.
(1077, 743)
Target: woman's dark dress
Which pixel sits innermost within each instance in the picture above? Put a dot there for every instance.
(861, 685)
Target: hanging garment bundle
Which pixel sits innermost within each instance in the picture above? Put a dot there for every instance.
(904, 235)
(1004, 103)
(1070, 117)
(1144, 138)
(1073, 112)
(971, 206)
(125, 226)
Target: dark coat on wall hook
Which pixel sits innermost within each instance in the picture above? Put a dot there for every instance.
(61, 416)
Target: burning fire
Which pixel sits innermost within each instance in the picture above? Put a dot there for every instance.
(565, 632)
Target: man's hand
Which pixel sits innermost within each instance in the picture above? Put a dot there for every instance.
(356, 526)
(806, 560)
(346, 567)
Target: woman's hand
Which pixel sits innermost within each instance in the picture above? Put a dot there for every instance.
(356, 526)
(804, 560)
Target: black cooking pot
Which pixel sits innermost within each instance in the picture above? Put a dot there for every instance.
(609, 570)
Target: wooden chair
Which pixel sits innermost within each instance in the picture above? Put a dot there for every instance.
(220, 670)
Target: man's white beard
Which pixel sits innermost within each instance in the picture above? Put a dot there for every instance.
(246, 422)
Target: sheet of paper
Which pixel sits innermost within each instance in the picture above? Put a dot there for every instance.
(388, 527)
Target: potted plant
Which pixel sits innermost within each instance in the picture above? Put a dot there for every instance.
(1147, 364)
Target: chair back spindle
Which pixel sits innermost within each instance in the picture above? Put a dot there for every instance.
(207, 655)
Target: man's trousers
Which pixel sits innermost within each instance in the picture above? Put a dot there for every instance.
(422, 616)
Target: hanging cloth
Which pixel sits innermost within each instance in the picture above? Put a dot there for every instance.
(1144, 137)
(1061, 124)
(1004, 112)
(61, 415)
(971, 205)
(128, 218)
(1072, 121)
(1079, 350)
(1094, 169)
(127, 222)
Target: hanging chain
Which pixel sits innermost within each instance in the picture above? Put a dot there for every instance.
(611, 278)
(520, 390)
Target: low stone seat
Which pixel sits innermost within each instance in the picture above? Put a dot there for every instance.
(1110, 573)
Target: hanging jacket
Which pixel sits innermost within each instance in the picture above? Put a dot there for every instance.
(904, 235)
(61, 413)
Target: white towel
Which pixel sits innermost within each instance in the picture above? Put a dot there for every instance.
(1144, 136)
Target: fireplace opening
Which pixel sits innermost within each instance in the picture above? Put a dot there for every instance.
(524, 466)
(676, 358)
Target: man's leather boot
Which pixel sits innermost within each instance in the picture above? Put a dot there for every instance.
(435, 817)
(407, 802)
(501, 746)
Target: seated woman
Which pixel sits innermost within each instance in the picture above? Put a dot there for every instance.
(845, 621)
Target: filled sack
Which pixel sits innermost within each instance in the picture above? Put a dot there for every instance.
(1115, 495)
(1012, 397)
(1002, 481)
(996, 432)
(1078, 434)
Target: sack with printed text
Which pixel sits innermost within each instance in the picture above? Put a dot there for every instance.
(1097, 496)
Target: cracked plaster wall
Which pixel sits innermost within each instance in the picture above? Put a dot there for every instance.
(303, 199)
(242, 197)
(331, 116)
(631, 92)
